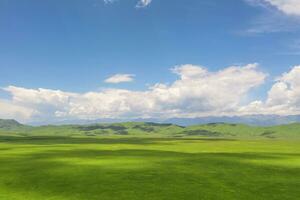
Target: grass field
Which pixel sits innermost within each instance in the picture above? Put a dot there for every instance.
(148, 168)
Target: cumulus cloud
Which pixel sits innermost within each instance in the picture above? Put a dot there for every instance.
(283, 97)
(8, 110)
(197, 92)
(120, 78)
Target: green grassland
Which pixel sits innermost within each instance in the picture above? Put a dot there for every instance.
(149, 161)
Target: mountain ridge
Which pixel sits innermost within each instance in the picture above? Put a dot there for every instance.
(10, 124)
(153, 129)
(256, 120)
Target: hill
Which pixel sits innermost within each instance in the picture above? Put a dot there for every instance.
(126, 128)
(254, 120)
(242, 130)
(153, 129)
(11, 125)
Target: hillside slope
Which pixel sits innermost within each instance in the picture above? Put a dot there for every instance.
(12, 127)
(242, 130)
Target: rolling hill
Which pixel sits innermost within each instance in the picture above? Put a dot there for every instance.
(12, 127)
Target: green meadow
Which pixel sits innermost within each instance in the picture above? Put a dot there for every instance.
(148, 168)
(185, 165)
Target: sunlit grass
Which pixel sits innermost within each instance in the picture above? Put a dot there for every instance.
(55, 168)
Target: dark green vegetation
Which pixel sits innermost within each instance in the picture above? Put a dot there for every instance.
(150, 161)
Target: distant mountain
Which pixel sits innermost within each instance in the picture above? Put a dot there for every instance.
(10, 125)
(256, 120)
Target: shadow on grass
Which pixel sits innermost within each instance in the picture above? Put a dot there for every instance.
(49, 140)
(148, 174)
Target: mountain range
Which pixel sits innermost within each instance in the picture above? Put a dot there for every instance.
(255, 120)
(14, 128)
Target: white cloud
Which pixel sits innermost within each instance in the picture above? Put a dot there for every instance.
(143, 3)
(10, 111)
(120, 78)
(189, 71)
(197, 92)
(109, 1)
(289, 7)
(283, 97)
(140, 3)
(278, 16)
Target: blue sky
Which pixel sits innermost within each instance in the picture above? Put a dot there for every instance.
(76, 46)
